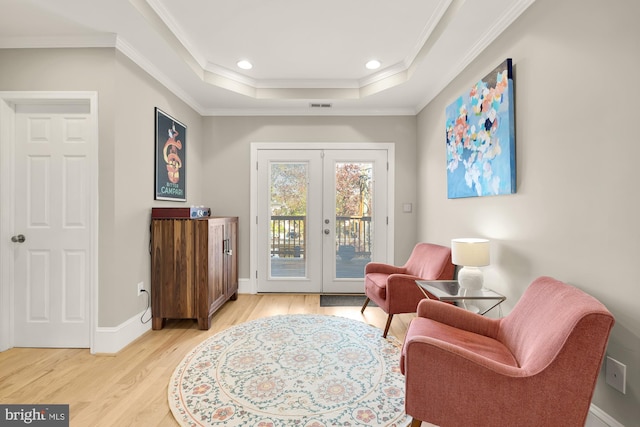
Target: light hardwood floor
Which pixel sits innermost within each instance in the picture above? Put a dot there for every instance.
(130, 388)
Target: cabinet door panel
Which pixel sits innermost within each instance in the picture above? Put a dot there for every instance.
(178, 291)
(216, 292)
(231, 267)
(172, 289)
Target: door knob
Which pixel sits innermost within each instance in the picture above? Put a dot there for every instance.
(326, 231)
(18, 239)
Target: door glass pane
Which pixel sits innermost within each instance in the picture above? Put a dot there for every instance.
(288, 207)
(354, 207)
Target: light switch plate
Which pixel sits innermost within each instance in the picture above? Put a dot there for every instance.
(616, 374)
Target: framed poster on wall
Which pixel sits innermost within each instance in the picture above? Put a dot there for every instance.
(171, 162)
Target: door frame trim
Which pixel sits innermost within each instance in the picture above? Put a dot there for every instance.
(253, 205)
(8, 101)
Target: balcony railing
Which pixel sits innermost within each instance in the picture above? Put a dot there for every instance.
(353, 236)
(287, 236)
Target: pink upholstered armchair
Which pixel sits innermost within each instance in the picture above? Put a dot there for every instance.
(394, 288)
(535, 367)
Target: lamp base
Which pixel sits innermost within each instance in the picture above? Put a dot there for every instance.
(470, 278)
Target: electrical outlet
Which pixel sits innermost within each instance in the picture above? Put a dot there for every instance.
(616, 374)
(140, 288)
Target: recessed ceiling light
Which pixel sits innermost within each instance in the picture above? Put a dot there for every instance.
(374, 64)
(245, 65)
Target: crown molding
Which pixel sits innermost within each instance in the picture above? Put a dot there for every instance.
(501, 24)
(51, 42)
(428, 30)
(141, 61)
(230, 74)
(334, 111)
(177, 31)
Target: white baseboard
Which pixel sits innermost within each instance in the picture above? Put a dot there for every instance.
(598, 418)
(245, 286)
(112, 340)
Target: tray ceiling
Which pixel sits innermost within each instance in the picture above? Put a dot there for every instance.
(308, 57)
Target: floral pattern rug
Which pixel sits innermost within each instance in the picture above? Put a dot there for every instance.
(294, 370)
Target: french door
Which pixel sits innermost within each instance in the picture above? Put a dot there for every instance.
(322, 216)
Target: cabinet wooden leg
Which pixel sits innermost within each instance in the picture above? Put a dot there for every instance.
(157, 323)
(204, 323)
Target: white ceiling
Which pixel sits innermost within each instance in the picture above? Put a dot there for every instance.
(303, 52)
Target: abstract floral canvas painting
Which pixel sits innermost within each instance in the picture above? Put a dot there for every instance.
(481, 158)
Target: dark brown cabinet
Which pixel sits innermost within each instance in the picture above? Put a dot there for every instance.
(194, 268)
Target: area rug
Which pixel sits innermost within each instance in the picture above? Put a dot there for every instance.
(295, 370)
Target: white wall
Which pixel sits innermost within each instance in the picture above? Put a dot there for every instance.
(133, 184)
(227, 167)
(126, 100)
(576, 212)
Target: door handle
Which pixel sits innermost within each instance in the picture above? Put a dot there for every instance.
(326, 231)
(18, 239)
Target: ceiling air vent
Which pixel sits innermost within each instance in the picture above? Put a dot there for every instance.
(319, 105)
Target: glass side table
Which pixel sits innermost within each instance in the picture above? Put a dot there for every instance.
(450, 291)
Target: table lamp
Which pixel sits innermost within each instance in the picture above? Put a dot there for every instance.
(470, 253)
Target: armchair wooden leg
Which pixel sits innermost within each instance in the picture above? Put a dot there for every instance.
(416, 423)
(386, 328)
(364, 305)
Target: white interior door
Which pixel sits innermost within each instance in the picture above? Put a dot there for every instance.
(52, 223)
(322, 215)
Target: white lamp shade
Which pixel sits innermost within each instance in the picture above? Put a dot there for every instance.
(470, 252)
